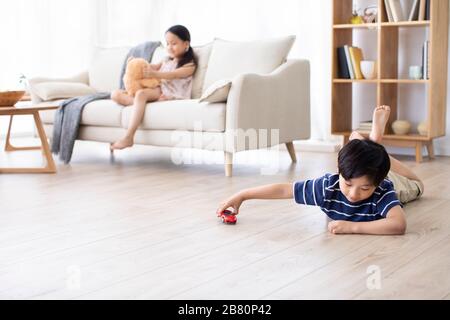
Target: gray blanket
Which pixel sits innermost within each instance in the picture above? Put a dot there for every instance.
(67, 121)
(144, 50)
(68, 116)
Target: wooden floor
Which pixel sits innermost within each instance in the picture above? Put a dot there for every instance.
(142, 227)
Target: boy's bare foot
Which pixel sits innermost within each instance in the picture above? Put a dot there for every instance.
(122, 144)
(356, 135)
(379, 121)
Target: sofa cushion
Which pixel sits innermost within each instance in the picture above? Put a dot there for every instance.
(217, 92)
(103, 113)
(229, 59)
(202, 53)
(56, 90)
(189, 115)
(105, 68)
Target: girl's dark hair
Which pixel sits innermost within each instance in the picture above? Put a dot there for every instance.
(183, 33)
(364, 158)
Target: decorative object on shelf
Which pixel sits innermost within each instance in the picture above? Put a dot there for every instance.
(370, 14)
(369, 69)
(415, 72)
(401, 127)
(356, 17)
(422, 128)
(10, 98)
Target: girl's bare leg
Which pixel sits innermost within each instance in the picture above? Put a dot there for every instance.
(140, 102)
(121, 97)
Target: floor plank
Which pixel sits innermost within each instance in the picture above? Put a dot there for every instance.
(140, 226)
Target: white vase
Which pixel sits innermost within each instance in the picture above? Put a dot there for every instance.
(369, 69)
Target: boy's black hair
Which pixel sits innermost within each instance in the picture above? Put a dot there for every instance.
(364, 158)
(183, 33)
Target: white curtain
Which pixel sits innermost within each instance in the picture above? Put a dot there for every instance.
(44, 37)
(57, 37)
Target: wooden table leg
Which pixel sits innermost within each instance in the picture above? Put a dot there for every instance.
(419, 157)
(9, 146)
(50, 166)
(430, 148)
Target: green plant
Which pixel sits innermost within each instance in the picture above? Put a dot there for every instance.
(23, 81)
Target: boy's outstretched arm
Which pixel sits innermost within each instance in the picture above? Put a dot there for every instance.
(393, 224)
(271, 191)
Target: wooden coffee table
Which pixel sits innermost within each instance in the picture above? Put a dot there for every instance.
(34, 111)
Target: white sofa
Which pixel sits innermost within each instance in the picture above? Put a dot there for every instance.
(278, 99)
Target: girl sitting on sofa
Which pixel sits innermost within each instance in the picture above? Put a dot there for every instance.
(175, 73)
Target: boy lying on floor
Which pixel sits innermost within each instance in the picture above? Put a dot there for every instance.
(366, 195)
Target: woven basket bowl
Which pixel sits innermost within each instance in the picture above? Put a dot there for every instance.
(10, 98)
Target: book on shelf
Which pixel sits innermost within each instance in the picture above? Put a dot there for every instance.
(356, 56)
(414, 13)
(349, 62)
(388, 11)
(343, 72)
(407, 10)
(397, 10)
(422, 9)
(426, 60)
(365, 126)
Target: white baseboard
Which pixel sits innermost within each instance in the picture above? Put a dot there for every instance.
(442, 146)
(334, 146)
(300, 145)
(442, 151)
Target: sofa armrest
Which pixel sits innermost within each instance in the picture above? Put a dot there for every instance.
(82, 77)
(279, 100)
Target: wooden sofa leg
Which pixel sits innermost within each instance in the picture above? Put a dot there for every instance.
(228, 164)
(291, 150)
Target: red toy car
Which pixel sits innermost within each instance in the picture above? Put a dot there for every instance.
(227, 217)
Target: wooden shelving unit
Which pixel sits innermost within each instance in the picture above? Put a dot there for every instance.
(387, 81)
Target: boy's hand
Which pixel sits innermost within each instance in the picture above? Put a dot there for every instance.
(234, 202)
(339, 227)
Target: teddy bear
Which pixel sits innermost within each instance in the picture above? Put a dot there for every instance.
(134, 76)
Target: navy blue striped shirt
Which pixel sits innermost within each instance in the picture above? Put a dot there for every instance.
(325, 193)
